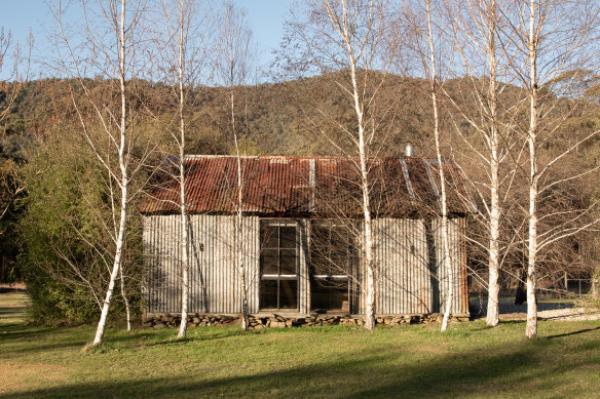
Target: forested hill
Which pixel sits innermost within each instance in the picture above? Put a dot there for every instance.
(294, 117)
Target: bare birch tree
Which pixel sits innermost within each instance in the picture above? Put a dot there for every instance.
(543, 40)
(179, 37)
(183, 10)
(473, 25)
(231, 65)
(344, 19)
(94, 53)
(345, 41)
(123, 167)
(433, 79)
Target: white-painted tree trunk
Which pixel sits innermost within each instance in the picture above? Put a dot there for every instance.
(120, 239)
(531, 328)
(185, 270)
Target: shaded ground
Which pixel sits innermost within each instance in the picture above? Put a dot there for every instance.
(565, 309)
(470, 361)
(13, 306)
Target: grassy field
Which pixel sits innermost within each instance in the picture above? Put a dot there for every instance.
(413, 361)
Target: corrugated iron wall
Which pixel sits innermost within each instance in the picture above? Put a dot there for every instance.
(410, 276)
(403, 267)
(458, 260)
(214, 280)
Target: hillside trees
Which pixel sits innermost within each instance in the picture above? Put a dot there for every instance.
(14, 75)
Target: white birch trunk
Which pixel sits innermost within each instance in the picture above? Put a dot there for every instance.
(125, 300)
(366, 206)
(185, 272)
(120, 239)
(446, 261)
(368, 235)
(492, 316)
(343, 28)
(238, 239)
(531, 329)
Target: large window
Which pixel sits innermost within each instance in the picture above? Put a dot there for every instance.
(332, 258)
(278, 266)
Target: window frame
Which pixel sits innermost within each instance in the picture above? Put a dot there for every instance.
(350, 260)
(274, 223)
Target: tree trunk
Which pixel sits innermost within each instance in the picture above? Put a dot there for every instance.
(596, 284)
(369, 259)
(120, 241)
(492, 316)
(239, 221)
(185, 272)
(185, 277)
(493, 311)
(366, 208)
(446, 261)
(125, 300)
(531, 329)
(342, 25)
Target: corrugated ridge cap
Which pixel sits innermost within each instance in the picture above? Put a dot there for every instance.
(193, 157)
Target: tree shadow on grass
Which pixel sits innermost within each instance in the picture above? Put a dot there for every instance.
(503, 370)
(19, 331)
(13, 310)
(568, 334)
(32, 339)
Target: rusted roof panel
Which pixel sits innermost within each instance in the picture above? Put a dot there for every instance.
(281, 186)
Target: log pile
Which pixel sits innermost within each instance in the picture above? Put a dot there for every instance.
(260, 321)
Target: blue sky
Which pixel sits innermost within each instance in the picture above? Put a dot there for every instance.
(265, 17)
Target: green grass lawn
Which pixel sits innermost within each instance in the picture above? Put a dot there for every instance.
(470, 361)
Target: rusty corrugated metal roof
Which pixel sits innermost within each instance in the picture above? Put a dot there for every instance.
(300, 186)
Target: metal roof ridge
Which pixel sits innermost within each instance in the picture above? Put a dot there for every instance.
(301, 157)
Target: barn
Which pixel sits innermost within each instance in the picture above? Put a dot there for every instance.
(301, 235)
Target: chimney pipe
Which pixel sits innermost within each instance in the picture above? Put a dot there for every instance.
(408, 150)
